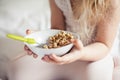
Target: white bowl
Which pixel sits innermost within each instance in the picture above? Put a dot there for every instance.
(42, 36)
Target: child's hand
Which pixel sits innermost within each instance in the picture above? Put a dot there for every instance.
(29, 52)
(74, 55)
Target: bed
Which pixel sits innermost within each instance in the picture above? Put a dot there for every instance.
(16, 16)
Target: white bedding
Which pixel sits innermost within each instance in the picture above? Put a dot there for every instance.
(18, 15)
(15, 17)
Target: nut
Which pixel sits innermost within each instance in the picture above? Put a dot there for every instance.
(61, 39)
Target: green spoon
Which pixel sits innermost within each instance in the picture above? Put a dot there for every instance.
(22, 39)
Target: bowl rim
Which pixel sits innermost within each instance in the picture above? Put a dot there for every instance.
(31, 45)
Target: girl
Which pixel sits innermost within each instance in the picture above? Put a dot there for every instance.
(96, 21)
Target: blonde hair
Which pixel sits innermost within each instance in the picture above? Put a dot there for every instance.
(88, 13)
(88, 10)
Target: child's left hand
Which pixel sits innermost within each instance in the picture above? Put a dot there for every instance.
(74, 55)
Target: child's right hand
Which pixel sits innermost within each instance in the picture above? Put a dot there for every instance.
(29, 52)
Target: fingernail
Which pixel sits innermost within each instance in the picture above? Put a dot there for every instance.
(29, 53)
(42, 58)
(28, 31)
(35, 56)
(26, 48)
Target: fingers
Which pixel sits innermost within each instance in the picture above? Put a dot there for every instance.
(29, 52)
(47, 58)
(77, 43)
(55, 58)
(52, 58)
(28, 31)
(35, 55)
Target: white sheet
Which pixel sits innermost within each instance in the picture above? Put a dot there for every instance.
(18, 15)
(15, 17)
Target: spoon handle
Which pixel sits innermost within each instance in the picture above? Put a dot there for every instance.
(22, 39)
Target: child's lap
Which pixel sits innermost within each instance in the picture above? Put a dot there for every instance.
(28, 68)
